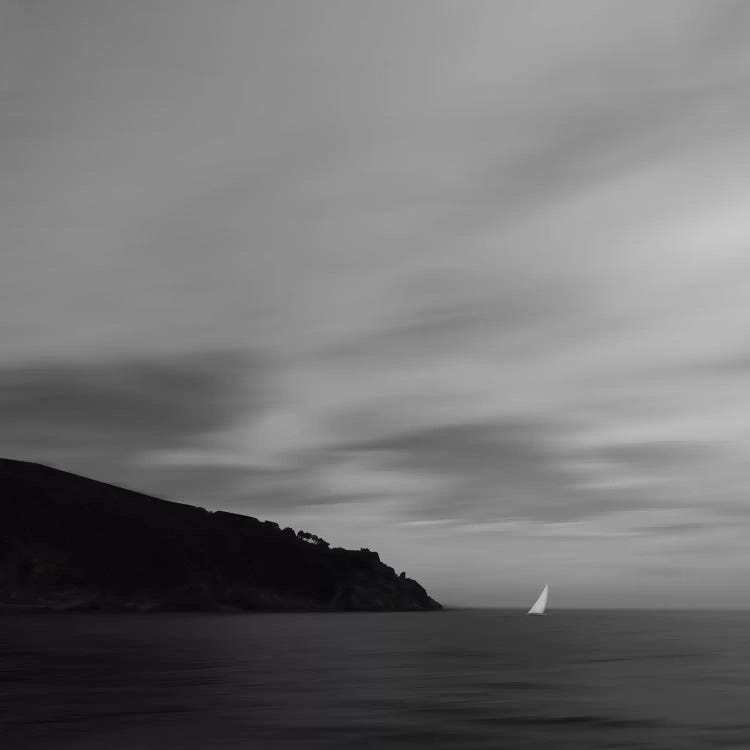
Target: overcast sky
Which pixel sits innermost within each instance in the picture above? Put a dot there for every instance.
(467, 283)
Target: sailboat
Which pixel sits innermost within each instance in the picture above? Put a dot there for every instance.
(541, 603)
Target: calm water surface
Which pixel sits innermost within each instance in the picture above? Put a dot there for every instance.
(459, 680)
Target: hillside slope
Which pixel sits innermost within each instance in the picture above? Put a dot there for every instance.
(67, 542)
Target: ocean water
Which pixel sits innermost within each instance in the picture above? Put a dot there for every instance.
(456, 679)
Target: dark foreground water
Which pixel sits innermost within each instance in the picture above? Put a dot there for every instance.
(463, 680)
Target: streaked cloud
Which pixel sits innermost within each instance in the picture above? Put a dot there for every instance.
(119, 413)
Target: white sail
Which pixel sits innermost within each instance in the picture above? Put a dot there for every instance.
(541, 603)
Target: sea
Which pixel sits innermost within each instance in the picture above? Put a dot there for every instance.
(455, 680)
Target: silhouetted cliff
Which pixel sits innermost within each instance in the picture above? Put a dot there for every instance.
(67, 542)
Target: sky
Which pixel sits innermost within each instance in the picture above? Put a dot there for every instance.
(466, 283)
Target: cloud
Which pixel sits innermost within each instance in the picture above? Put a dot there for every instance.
(98, 415)
(668, 454)
(438, 313)
(489, 469)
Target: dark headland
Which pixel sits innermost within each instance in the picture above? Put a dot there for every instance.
(71, 543)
